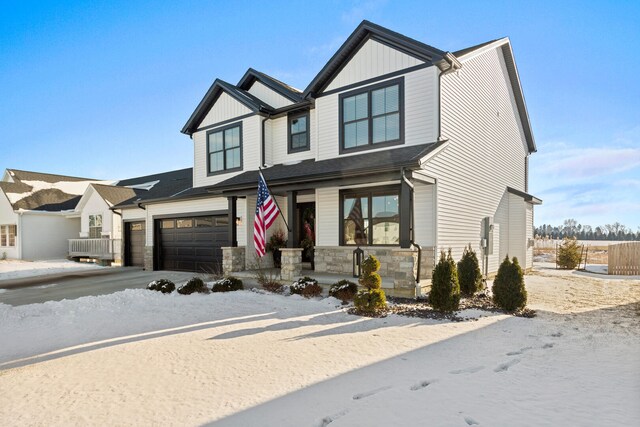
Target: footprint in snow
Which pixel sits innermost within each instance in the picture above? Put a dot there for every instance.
(556, 334)
(471, 370)
(370, 393)
(421, 385)
(515, 353)
(503, 367)
(470, 421)
(331, 418)
(548, 345)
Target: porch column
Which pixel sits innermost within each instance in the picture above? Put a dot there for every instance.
(233, 213)
(292, 203)
(405, 213)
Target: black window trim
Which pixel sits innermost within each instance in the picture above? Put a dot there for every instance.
(368, 192)
(208, 153)
(368, 89)
(290, 117)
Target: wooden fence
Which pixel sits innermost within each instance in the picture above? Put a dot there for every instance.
(624, 259)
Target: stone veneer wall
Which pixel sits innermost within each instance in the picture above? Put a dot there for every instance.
(148, 258)
(398, 264)
(233, 259)
(291, 263)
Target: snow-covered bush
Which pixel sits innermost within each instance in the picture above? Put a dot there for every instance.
(445, 289)
(195, 284)
(228, 284)
(306, 286)
(569, 253)
(343, 290)
(469, 275)
(162, 285)
(508, 288)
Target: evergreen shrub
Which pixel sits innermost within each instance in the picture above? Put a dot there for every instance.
(445, 289)
(469, 275)
(508, 288)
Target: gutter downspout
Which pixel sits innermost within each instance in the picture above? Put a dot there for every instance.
(19, 234)
(418, 291)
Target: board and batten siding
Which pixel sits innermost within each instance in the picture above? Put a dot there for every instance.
(251, 147)
(529, 236)
(373, 59)
(327, 216)
(485, 154)
(420, 114)
(424, 214)
(269, 96)
(277, 138)
(184, 208)
(225, 108)
(517, 229)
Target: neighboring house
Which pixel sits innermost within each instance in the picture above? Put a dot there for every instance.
(395, 146)
(101, 233)
(34, 209)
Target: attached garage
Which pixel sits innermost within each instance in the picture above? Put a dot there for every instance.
(134, 243)
(192, 243)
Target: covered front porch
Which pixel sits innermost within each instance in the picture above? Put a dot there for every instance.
(386, 208)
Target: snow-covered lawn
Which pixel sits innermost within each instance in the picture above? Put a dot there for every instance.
(242, 359)
(16, 269)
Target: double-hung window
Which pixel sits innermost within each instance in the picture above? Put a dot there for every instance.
(224, 149)
(95, 226)
(298, 132)
(371, 217)
(372, 117)
(7, 235)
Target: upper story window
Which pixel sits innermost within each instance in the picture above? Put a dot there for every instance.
(95, 226)
(372, 117)
(224, 148)
(298, 132)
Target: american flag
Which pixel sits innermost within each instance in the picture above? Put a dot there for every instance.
(266, 214)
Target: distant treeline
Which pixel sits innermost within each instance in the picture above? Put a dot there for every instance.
(571, 228)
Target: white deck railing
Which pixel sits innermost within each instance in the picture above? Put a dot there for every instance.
(95, 248)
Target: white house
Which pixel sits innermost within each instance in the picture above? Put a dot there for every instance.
(34, 209)
(395, 146)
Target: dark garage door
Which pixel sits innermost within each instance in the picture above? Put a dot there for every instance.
(134, 241)
(192, 243)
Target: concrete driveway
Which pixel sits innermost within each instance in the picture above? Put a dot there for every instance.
(79, 284)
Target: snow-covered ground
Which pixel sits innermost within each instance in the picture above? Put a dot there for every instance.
(241, 359)
(17, 269)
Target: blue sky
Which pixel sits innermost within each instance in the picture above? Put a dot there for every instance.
(101, 89)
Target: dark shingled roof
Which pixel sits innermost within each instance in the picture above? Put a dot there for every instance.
(45, 177)
(115, 195)
(171, 184)
(311, 170)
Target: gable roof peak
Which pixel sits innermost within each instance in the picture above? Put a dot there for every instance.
(360, 35)
(252, 75)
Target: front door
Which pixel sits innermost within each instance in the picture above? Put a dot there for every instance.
(306, 215)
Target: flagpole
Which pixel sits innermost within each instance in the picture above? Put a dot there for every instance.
(274, 199)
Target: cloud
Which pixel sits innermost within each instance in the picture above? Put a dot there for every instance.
(578, 163)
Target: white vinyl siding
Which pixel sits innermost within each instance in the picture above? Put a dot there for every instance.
(277, 142)
(485, 153)
(133, 214)
(95, 205)
(269, 96)
(327, 216)
(45, 235)
(251, 147)
(372, 60)
(420, 114)
(225, 108)
(424, 214)
(8, 216)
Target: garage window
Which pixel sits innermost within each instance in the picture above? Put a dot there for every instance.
(167, 223)
(184, 223)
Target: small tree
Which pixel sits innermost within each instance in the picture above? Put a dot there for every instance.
(569, 253)
(373, 299)
(445, 289)
(469, 275)
(508, 288)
